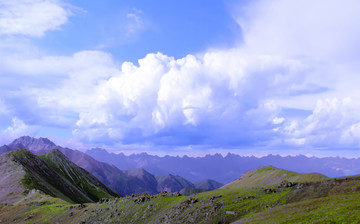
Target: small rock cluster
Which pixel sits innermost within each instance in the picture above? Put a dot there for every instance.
(141, 198)
(269, 190)
(215, 197)
(169, 194)
(285, 184)
(246, 198)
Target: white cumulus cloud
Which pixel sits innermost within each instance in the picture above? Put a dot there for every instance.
(297, 54)
(334, 122)
(202, 99)
(31, 17)
(19, 128)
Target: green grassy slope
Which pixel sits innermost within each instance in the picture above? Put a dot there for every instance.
(343, 208)
(76, 187)
(81, 178)
(269, 175)
(305, 201)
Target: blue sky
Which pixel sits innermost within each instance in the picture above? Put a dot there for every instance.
(131, 29)
(266, 76)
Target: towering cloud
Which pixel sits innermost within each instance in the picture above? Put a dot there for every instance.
(296, 56)
(218, 98)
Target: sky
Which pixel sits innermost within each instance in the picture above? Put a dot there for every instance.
(183, 76)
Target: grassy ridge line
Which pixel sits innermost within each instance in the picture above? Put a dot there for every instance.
(269, 175)
(83, 179)
(55, 175)
(40, 176)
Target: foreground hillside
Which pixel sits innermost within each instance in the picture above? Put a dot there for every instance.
(51, 173)
(272, 196)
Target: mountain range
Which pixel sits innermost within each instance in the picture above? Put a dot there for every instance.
(225, 169)
(124, 182)
(222, 169)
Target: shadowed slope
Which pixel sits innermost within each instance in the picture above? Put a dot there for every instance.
(208, 185)
(172, 183)
(80, 177)
(46, 177)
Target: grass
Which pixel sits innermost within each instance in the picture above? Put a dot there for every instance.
(344, 208)
(266, 176)
(62, 166)
(47, 212)
(207, 208)
(127, 211)
(250, 205)
(55, 175)
(30, 183)
(266, 168)
(324, 201)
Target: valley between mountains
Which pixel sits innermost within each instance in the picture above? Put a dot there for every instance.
(41, 182)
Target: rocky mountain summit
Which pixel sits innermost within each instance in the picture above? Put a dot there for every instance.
(36, 145)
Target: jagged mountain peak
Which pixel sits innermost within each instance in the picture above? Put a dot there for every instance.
(27, 140)
(33, 144)
(172, 183)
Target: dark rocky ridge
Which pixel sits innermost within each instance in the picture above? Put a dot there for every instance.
(55, 175)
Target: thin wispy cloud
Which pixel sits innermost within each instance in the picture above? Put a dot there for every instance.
(135, 23)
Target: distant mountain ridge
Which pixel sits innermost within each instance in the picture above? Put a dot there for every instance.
(124, 182)
(227, 168)
(172, 183)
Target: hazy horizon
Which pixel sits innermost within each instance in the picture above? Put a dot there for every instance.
(183, 78)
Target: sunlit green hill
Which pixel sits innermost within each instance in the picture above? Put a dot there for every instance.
(269, 175)
(263, 195)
